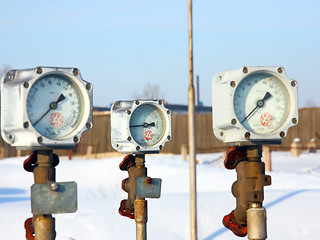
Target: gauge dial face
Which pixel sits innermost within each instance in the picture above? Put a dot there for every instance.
(147, 125)
(54, 106)
(261, 103)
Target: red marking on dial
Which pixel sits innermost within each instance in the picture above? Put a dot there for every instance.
(56, 119)
(148, 135)
(266, 119)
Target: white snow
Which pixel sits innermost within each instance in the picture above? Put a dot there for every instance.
(291, 201)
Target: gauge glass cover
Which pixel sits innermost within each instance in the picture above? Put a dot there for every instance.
(54, 106)
(147, 125)
(261, 103)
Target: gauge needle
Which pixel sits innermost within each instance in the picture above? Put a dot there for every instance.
(145, 125)
(52, 105)
(260, 104)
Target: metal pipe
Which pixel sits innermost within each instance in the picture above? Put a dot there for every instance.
(256, 214)
(140, 204)
(140, 213)
(257, 226)
(192, 135)
(44, 225)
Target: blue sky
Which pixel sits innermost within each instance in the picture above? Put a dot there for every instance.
(121, 45)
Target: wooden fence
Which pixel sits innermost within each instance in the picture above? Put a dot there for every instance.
(97, 141)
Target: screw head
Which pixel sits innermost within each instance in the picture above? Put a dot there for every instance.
(129, 138)
(26, 124)
(138, 148)
(221, 134)
(160, 147)
(232, 83)
(293, 83)
(75, 71)
(247, 135)
(294, 120)
(245, 70)
(129, 112)
(160, 102)
(137, 102)
(168, 137)
(40, 139)
(26, 84)
(282, 134)
(234, 121)
(76, 139)
(39, 70)
(168, 111)
(89, 125)
(148, 180)
(89, 86)
(54, 186)
(280, 70)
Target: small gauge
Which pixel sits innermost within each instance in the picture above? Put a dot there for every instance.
(140, 126)
(45, 107)
(261, 103)
(253, 105)
(54, 106)
(147, 125)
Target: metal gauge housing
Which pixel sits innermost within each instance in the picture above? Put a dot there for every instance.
(140, 126)
(45, 107)
(253, 104)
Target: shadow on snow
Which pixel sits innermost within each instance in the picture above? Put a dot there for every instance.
(12, 191)
(268, 205)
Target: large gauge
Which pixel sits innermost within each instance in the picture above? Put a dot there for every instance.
(55, 106)
(45, 107)
(140, 126)
(261, 103)
(253, 104)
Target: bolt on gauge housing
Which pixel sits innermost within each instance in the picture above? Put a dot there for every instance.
(140, 126)
(45, 107)
(253, 104)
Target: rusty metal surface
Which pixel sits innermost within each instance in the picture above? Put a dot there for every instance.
(53, 198)
(45, 228)
(249, 193)
(257, 226)
(141, 218)
(44, 171)
(147, 187)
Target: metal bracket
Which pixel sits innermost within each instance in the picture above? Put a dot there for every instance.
(52, 198)
(147, 187)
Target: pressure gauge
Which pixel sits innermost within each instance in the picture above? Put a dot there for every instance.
(45, 107)
(260, 105)
(141, 126)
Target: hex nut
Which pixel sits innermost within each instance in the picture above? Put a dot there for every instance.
(247, 135)
(75, 71)
(76, 139)
(39, 70)
(294, 120)
(40, 139)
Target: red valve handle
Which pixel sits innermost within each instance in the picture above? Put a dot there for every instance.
(126, 212)
(238, 230)
(234, 156)
(29, 229)
(127, 162)
(30, 163)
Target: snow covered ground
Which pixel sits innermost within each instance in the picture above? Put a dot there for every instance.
(291, 201)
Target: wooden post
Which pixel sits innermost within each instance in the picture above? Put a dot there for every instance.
(184, 152)
(296, 148)
(266, 152)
